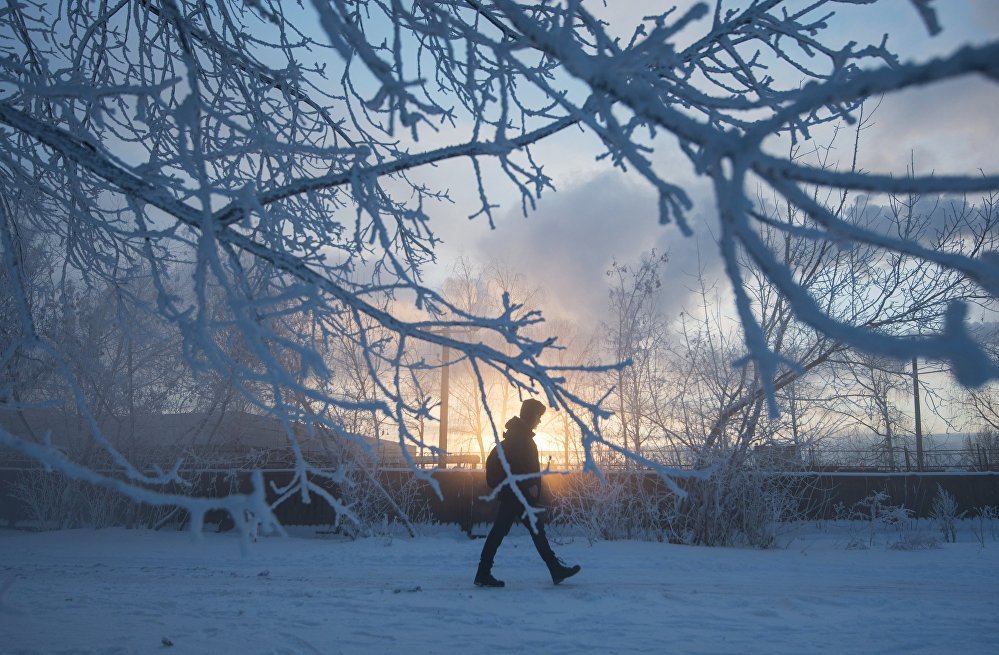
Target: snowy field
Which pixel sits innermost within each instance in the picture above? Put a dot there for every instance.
(121, 591)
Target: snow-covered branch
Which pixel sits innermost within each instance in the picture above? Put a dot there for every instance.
(266, 170)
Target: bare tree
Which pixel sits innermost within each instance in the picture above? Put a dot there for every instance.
(982, 405)
(221, 133)
(873, 405)
(485, 399)
(578, 348)
(714, 415)
(634, 324)
(467, 289)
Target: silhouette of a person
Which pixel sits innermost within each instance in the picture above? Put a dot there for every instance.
(522, 455)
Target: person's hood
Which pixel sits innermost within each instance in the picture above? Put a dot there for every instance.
(517, 428)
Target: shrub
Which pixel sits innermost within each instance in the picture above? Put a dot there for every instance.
(944, 512)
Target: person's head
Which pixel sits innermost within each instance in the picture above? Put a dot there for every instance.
(531, 411)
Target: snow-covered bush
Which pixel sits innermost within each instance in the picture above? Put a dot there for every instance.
(944, 512)
(628, 505)
(740, 506)
(54, 501)
(378, 507)
(984, 524)
(744, 508)
(914, 540)
(873, 516)
(48, 498)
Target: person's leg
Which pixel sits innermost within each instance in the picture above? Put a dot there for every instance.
(558, 570)
(538, 536)
(506, 514)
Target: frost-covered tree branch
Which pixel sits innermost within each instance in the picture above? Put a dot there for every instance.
(268, 167)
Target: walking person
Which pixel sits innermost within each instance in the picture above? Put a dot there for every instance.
(522, 455)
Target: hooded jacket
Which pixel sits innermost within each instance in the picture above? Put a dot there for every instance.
(522, 455)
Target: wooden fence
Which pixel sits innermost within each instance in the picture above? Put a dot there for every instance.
(463, 492)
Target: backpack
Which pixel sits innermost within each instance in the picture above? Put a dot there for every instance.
(494, 469)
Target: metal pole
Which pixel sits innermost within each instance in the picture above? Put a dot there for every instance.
(442, 435)
(919, 425)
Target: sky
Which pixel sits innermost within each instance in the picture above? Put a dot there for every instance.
(599, 215)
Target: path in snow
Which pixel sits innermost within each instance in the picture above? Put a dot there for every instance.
(120, 591)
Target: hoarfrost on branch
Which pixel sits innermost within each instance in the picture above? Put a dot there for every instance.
(268, 173)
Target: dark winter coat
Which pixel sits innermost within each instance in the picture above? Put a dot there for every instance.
(522, 455)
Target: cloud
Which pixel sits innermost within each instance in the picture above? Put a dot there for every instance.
(948, 128)
(568, 245)
(985, 18)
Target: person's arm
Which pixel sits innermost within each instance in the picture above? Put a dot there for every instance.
(533, 490)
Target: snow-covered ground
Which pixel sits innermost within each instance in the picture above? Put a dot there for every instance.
(121, 591)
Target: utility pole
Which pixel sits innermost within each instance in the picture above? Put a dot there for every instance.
(445, 392)
(919, 425)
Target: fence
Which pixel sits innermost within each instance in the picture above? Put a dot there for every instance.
(823, 459)
(463, 492)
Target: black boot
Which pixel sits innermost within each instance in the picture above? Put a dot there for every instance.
(484, 577)
(560, 571)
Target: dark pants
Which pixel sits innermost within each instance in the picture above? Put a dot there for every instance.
(510, 511)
